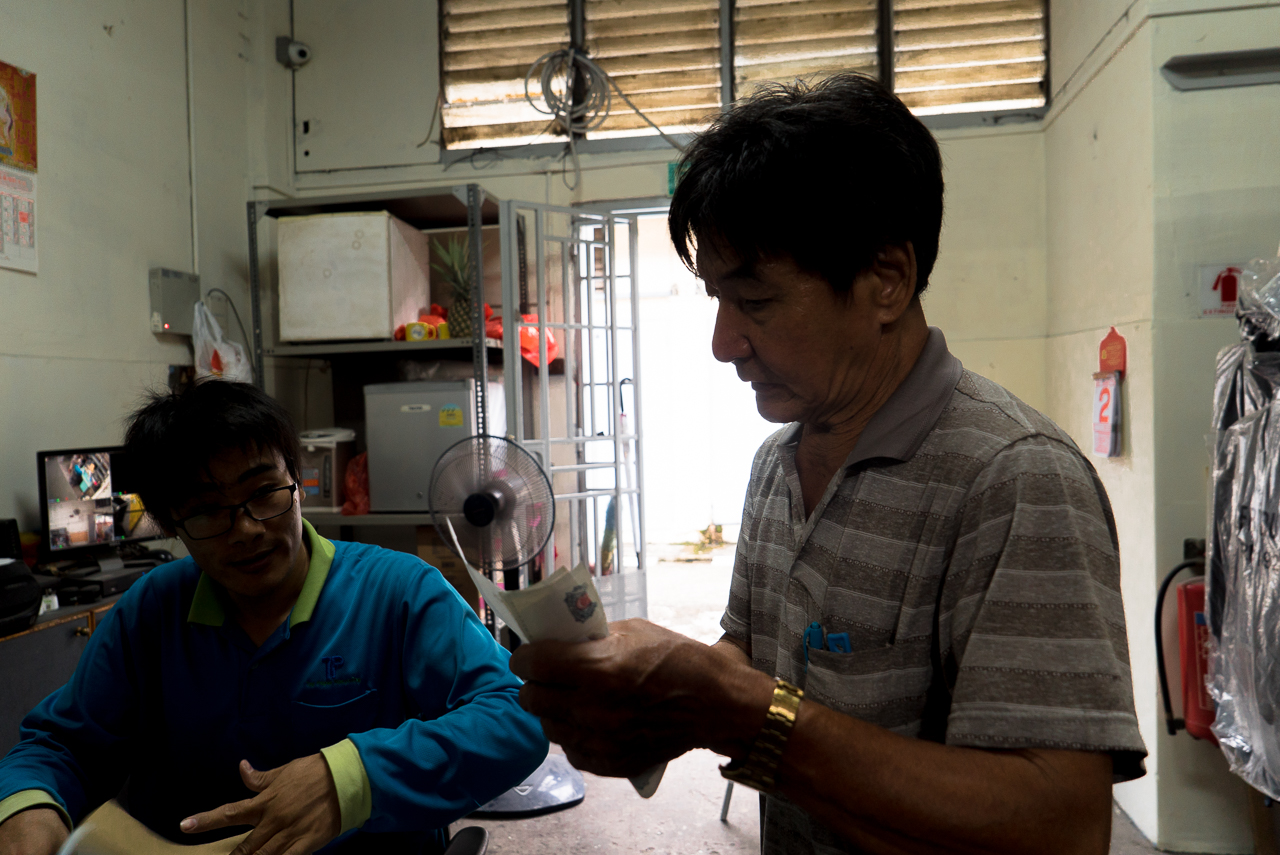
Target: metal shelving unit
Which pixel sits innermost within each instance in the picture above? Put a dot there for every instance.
(437, 347)
(582, 420)
(449, 207)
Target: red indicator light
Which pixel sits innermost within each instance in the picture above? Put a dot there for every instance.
(166, 326)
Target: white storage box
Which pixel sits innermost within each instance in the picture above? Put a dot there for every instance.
(350, 276)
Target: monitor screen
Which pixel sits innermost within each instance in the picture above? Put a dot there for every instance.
(86, 502)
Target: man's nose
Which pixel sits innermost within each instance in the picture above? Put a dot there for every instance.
(245, 527)
(728, 342)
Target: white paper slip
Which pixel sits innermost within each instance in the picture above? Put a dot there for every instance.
(563, 607)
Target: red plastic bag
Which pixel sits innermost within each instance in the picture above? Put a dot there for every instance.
(529, 341)
(357, 486)
(493, 327)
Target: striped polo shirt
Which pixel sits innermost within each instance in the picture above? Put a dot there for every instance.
(968, 551)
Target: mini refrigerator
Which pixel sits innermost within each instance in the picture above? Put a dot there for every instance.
(409, 425)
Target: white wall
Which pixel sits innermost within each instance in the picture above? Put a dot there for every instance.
(1100, 254)
(1216, 198)
(1144, 185)
(114, 200)
(988, 291)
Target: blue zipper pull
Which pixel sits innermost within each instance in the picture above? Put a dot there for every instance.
(815, 638)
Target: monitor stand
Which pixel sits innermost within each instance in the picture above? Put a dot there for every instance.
(102, 560)
(102, 573)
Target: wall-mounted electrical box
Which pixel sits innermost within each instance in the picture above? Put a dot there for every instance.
(173, 298)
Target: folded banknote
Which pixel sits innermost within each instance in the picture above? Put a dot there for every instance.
(562, 607)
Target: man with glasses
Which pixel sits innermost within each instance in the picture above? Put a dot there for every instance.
(334, 696)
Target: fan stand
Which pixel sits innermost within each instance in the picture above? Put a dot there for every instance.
(555, 785)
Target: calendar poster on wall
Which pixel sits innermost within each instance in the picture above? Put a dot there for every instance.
(18, 164)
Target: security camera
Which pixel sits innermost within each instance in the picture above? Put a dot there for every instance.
(291, 54)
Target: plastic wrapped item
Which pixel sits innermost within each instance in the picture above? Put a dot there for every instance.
(216, 356)
(1243, 578)
(1258, 307)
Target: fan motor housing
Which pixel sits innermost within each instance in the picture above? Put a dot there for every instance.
(480, 509)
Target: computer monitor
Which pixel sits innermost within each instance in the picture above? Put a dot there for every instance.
(88, 507)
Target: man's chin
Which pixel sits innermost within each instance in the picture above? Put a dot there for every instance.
(253, 586)
(254, 580)
(779, 409)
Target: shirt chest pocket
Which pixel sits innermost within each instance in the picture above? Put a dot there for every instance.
(886, 686)
(322, 721)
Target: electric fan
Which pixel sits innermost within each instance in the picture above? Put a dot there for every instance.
(497, 499)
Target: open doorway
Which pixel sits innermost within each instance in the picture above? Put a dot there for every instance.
(701, 428)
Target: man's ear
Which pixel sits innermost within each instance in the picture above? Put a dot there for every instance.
(894, 279)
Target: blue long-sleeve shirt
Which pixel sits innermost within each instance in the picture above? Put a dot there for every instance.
(170, 695)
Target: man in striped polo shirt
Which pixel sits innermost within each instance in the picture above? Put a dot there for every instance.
(925, 644)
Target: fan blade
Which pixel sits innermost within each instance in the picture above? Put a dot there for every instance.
(457, 480)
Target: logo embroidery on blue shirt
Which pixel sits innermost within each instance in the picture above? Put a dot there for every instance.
(331, 665)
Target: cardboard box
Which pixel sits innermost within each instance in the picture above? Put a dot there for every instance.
(432, 550)
(350, 276)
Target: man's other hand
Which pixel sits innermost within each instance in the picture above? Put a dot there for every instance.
(641, 696)
(35, 831)
(295, 811)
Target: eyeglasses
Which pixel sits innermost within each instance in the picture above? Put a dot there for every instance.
(219, 521)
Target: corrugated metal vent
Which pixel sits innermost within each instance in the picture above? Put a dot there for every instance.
(959, 57)
(487, 47)
(949, 57)
(782, 40)
(664, 54)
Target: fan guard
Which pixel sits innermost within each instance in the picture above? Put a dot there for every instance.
(498, 499)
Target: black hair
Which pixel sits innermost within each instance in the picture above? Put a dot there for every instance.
(827, 174)
(171, 439)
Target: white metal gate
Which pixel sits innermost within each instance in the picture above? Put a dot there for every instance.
(569, 277)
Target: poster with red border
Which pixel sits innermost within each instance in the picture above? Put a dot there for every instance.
(17, 117)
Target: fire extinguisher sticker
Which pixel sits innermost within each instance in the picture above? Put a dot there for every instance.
(1219, 289)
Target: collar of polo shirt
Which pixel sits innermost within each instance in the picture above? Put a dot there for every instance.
(207, 606)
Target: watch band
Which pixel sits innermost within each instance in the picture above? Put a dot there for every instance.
(761, 764)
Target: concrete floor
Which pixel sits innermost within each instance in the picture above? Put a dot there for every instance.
(683, 817)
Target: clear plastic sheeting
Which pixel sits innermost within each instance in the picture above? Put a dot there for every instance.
(1243, 579)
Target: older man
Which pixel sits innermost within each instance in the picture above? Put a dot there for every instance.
(924, 646)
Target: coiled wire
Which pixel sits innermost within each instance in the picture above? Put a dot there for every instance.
(592, 111)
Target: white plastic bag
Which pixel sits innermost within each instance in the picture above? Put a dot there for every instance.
(215, 356)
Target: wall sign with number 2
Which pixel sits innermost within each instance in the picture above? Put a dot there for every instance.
(1112, 363)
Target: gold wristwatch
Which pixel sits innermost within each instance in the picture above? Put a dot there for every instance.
(760, 767)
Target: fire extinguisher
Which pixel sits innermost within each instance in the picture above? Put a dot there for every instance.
(1193, 638)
